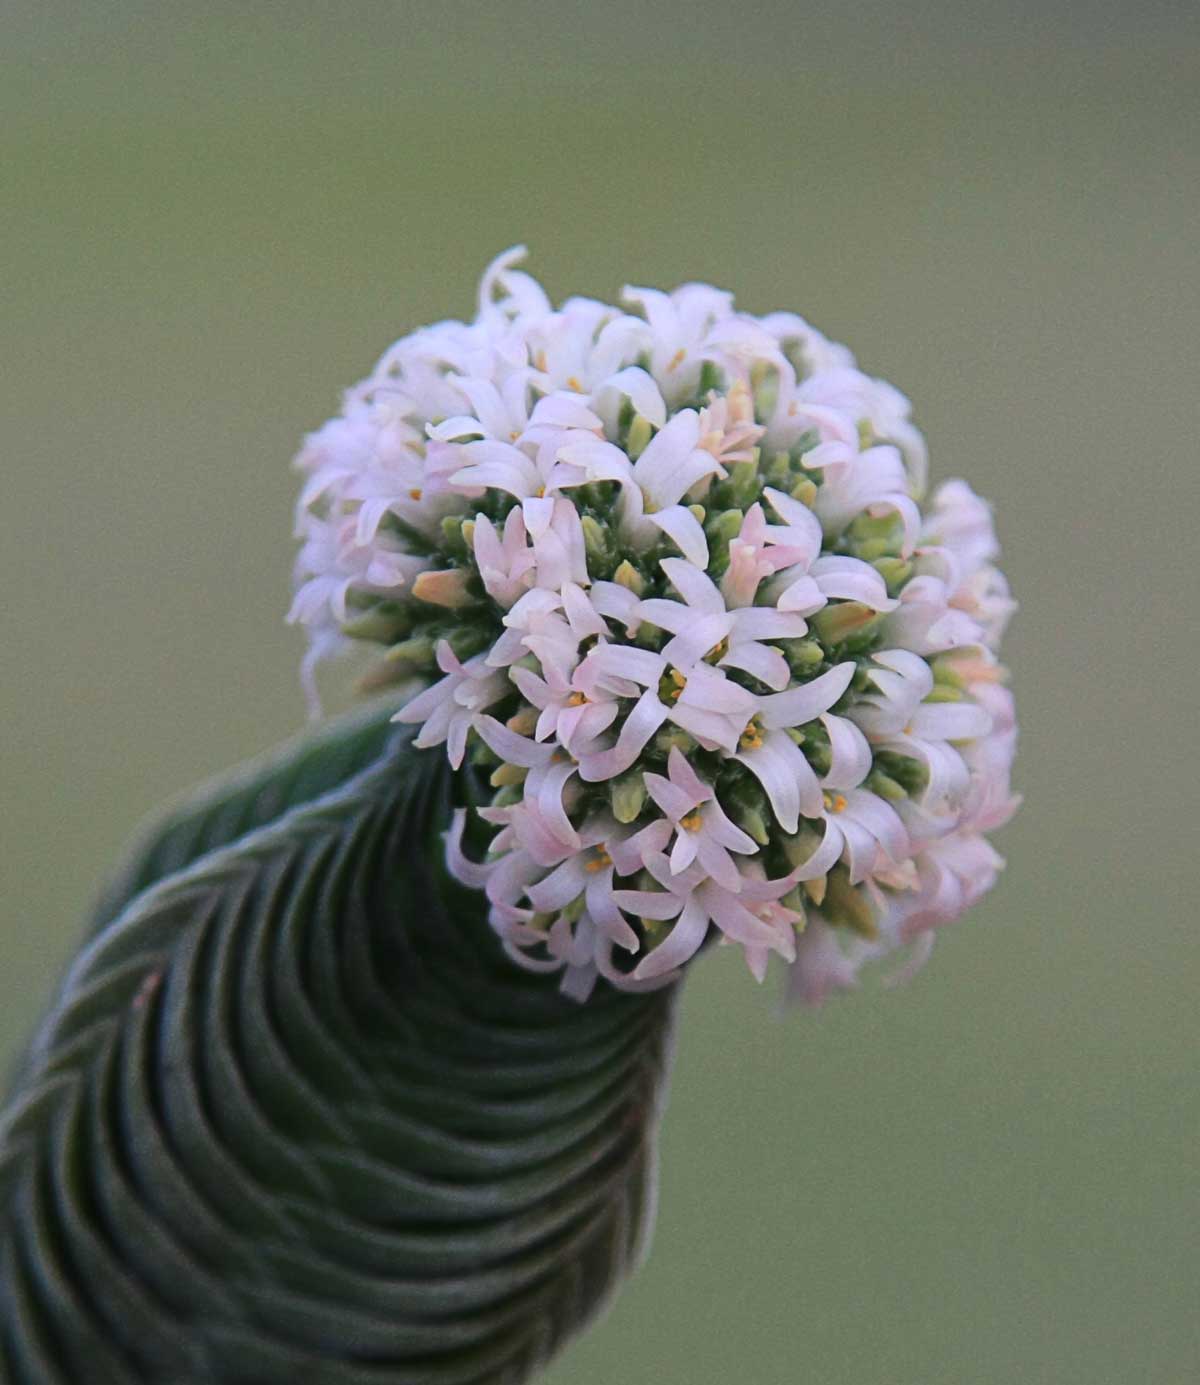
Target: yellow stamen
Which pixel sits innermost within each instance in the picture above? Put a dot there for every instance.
(573, 383)
(718, 651)
(835, 802)
(751, 738)
(677, 359)
(540, 360)
(415, 493)
(600, 859)
(577, 699)
(693, 822)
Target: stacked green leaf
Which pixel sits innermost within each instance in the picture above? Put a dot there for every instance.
(295, 1116)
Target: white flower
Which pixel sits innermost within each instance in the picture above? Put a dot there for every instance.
(674, 538)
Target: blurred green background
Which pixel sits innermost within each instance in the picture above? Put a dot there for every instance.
(213, 216)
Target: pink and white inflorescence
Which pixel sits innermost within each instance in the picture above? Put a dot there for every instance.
(667, 574)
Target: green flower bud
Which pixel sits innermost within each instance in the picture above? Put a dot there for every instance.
(628, 576)
(744, 484)
(894, 571)
(944, 692)
(640, 433)
(595, 540)
(843, 620)
(803, 656)
(383, 623)
(672, 738)
(467, 639)
(800, 845)
(847, 905)
(506, 775)
(805, 491)
(453, 539)
(778, 471)
(418, 650)
(628, 796)
(752, 822)
(946, 674)
(885, 786)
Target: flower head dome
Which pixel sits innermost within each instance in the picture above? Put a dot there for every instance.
(667, 575)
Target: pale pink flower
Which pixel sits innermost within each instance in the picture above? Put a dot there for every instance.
(702, 627)
(505, 562)
(873, 481)
(703, 832)
(804, 581)
(572, 710)
(738, 915)
(727, 426)
(774, 758)
(861, 829)
(332, 564)
(451, 707)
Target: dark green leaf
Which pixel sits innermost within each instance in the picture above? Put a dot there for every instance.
(295, 1116)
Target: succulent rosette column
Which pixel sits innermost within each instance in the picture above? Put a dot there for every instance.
(672, 582)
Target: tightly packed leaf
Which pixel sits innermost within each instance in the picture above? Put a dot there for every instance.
(667, 575)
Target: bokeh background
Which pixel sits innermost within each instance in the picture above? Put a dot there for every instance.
(214, 215)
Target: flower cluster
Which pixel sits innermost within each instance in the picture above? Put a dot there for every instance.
(668, 578)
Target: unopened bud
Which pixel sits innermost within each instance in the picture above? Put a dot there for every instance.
(803, 655)
(595, 539)
(507, 774)
(885, 786)
(752, 822)
(805, 491)
(842, 620)
(847, 905)
(944, 692)
(640, 433)
(447, 588)
(419, 651)
(672, 738)
(743, 483)
(383, 624)
(628, 796)
(452, 536)
(799, 846)
(628, 576)
(894, 571)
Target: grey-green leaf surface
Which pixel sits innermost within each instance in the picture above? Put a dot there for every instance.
(295, 1116)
